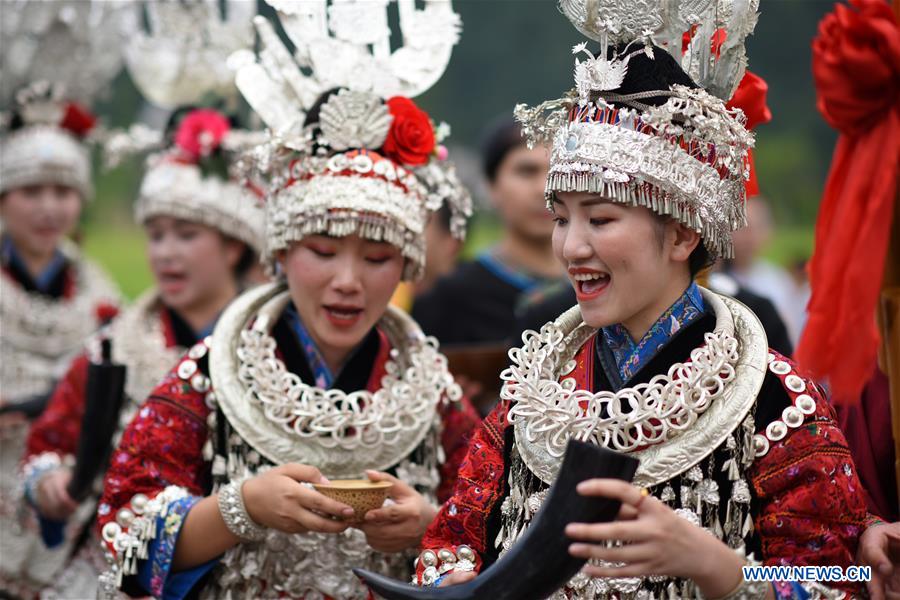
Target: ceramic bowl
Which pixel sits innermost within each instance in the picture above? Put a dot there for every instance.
(361, 495)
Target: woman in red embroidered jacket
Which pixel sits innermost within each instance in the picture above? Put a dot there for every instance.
(646, 184)
(203, 233)
(52, 296)
(309, 378)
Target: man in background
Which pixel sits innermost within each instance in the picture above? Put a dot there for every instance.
(475, 304)
(441, 254)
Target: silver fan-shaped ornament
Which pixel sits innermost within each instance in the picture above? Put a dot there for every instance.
(72, 43)
(354, 120)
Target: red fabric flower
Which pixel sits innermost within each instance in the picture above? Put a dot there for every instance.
(410, 140)
(856, 67)
(750, 97)
(78, 120)
(106, 312)
(201, 132)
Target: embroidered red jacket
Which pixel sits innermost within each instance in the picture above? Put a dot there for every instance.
(163, 445)
(810, 507)
(58, 428)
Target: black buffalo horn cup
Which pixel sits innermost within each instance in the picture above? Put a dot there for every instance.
(539, 563)
(104, 394)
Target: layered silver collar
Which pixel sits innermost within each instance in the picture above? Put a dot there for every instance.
(670, 423)
(342, 434)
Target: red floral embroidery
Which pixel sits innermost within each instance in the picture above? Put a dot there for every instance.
(162, 446)
(812, 509)
(463, 518)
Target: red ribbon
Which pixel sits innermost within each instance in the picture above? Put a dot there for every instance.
(856, 66)
(750, 97)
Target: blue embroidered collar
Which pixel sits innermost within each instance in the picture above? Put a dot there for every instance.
(320, 370)
(324, 377)
(11, 256)
(631, 356)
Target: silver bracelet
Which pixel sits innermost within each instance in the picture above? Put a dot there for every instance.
(234, 513)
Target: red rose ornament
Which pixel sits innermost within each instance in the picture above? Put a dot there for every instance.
(856, 65)
(410, 140)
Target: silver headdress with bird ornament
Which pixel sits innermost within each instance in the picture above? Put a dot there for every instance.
(678, 151)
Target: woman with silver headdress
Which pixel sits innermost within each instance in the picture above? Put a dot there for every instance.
(204, 232)
(312, 377)
(52, 296)
(740, 455)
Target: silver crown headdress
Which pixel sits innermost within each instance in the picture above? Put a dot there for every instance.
(54, 53)
(181, 60)
(343, 174)
(183, 55)
(686, 158)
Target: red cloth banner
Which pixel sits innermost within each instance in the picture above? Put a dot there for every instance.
(856, 66)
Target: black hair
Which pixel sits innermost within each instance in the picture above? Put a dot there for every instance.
(647, 74)
(312, 115)
(699, 260)
(443, 216)
(504, 135)
(245, 262)
(16, 121)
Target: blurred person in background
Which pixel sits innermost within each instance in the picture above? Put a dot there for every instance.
(476, 302)
(760, 276)
(203, 234)
(442, 250)
(52, 297)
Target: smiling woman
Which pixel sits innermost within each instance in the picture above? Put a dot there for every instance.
(740, 455)
(626, 263)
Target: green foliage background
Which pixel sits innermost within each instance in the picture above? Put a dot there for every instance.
(519, 51)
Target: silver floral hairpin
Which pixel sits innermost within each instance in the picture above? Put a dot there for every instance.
(717, 65)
